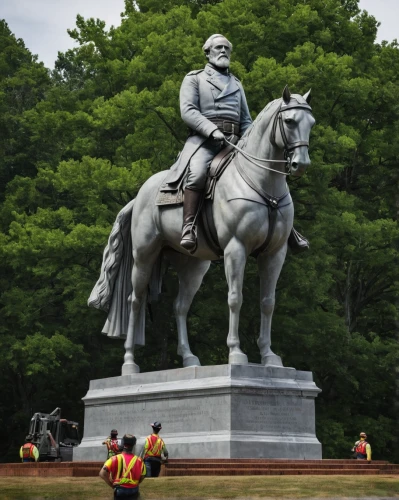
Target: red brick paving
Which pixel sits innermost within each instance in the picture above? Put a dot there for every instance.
(212, 467)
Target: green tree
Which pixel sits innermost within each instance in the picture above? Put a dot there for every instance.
(23, 83)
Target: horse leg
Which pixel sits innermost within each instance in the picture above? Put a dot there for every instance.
(269, 271)
(190, 272)
(234, 264)
(141, 274)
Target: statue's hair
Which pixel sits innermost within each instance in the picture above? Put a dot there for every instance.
(207, 45)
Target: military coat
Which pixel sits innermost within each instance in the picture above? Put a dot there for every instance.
(203, 97)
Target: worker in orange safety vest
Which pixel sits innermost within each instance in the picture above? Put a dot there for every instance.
(124, 471)
(154, 448)
(28, 452)
(362, 448)
(112, 444)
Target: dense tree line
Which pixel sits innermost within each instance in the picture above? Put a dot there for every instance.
(77, 143)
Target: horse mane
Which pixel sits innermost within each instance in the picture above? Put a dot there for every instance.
(276, 103)
(244, 139)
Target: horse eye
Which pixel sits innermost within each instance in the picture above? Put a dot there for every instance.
(289, 120)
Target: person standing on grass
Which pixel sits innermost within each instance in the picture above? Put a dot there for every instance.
(362, 448)
(154, 448)
(125, 471)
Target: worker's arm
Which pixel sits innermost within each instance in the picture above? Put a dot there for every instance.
(368, 452)
(104, 474)
(144, 449)
(21, 454)
(165, 451)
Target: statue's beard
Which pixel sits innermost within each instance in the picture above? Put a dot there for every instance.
(220, 61)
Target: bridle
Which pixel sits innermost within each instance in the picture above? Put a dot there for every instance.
(288, 146)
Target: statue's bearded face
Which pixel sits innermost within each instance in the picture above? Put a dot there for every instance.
(219, 53)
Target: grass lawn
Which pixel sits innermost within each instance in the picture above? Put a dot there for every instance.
(206, 487)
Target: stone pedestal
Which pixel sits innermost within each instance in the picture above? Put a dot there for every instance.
(225, 411)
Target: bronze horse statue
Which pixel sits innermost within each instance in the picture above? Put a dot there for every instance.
(253, 215)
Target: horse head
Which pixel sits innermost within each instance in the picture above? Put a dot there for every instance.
(291, 129)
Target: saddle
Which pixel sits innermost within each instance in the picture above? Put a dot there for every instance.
(176, 197)
(216, 169)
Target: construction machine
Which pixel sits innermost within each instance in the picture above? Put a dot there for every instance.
(54, 437)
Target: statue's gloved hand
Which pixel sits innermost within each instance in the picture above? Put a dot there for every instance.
(218, 135)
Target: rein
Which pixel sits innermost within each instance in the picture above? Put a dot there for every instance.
(252, 159)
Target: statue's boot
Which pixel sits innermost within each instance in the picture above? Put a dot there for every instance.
(190, 207)
(297, 242)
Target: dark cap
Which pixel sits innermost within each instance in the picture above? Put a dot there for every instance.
(129, 440)
(156, 425)
(28, 438)
(114, 431)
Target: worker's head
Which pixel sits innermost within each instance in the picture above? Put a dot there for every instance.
(114, 433)
(363, 435)
(156, 427)
(217, 50)
(28, 438)
(129, 441)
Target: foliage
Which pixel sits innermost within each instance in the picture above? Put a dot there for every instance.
(77, 144)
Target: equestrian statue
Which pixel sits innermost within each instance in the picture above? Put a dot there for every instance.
(215, 202)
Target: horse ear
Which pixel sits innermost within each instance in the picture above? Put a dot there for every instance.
(286, 94)
(307, 96)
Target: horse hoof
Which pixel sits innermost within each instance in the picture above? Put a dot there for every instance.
(191, 361)
(130, 368)
(238, 358)
(271, 360)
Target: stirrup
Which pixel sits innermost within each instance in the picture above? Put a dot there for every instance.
(297, 242)
(189, 237)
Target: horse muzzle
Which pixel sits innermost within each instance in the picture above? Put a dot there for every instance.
(299, 161)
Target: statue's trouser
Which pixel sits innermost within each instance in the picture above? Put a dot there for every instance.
(195, 185)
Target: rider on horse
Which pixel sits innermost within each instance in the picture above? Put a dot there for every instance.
(213, 105)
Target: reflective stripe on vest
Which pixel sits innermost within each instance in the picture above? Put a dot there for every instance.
(27, 450)
(155, 447)
(125, 473)
(361, 448)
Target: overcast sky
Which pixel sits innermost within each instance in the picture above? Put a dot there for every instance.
(42, 24)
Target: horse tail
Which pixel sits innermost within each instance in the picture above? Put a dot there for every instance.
(112, 291)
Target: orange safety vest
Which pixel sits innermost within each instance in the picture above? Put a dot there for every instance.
(361, 448)
(27, 451)
(127, 473)
(112, 447)
(154, 446)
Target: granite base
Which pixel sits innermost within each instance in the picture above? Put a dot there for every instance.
(224, 411)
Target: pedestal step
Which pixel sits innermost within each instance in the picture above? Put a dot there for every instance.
(212, 467)
(267, 467)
